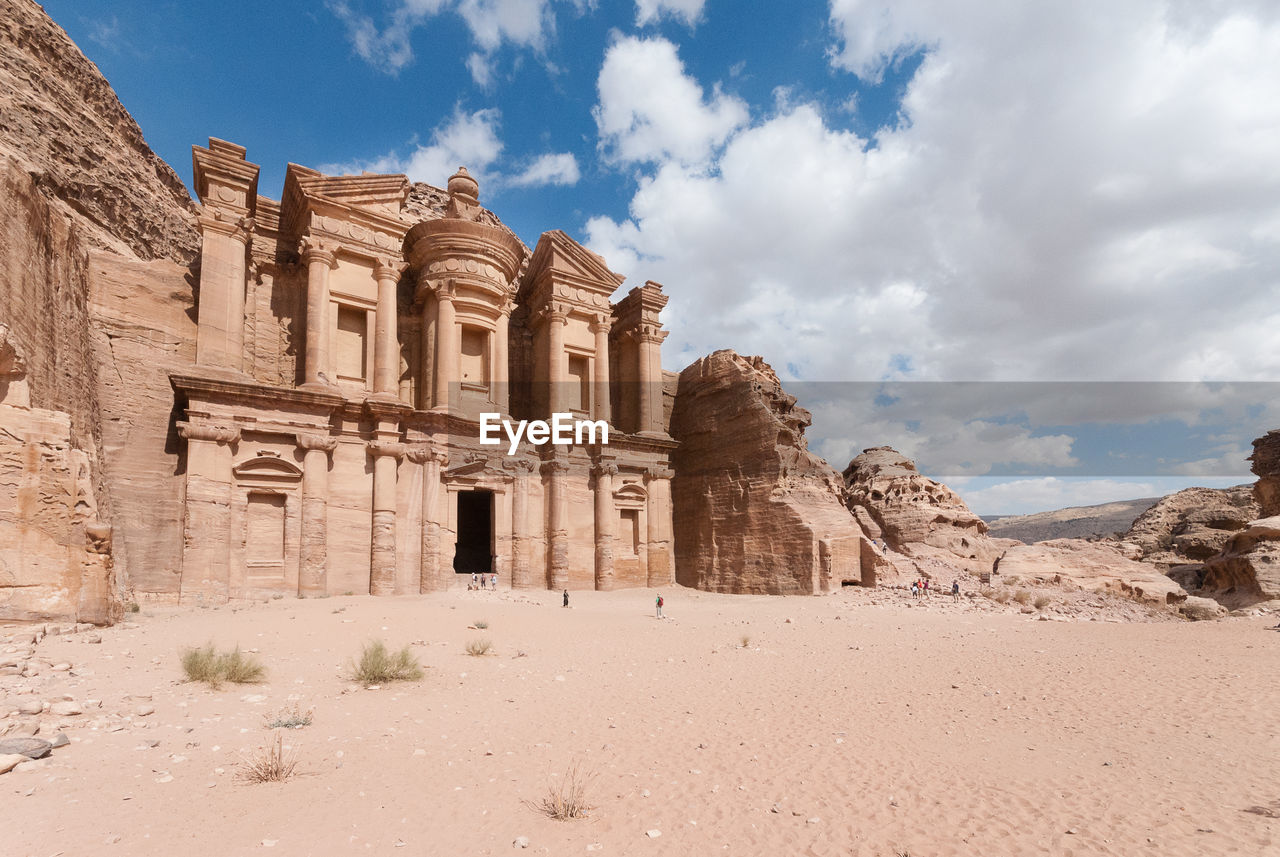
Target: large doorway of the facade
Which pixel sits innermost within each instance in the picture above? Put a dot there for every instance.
(474, 553)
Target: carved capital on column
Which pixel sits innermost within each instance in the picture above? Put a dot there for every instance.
(421, 453)
(316, 441)
(601, 323)
(520, 466)
(605, 468)
(659, 473)
(311, 250)
(554, 313)
(228, 223)
(387, 269)
(551, 468)
(212, 433)
(379, 448)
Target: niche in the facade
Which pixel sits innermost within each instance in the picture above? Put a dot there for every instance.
(578, 394)
(349, 347)
(475, 358)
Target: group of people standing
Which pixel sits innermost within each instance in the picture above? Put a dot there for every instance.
(483, 581)
(920, 589)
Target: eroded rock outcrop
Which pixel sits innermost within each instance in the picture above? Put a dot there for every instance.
(754, 510)
(918, 518)
(1192, 525)
(1247, 570)
(1100, 566)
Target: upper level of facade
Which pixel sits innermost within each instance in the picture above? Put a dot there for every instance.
(415, 298)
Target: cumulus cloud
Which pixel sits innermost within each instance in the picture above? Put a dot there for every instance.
(1060, 200)
(551, 169)
(651, 112)
(491, 23)
(650, 11)
(465, 139)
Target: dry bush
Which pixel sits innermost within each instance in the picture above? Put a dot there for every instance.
(1000, 596)
(377, 665)
(1041, 602)
(480, 624)
(206, 664)
(566, 798)
(270, 764)
(746, 641)
(478, 647)
(290, 717)
(1022, 596)
(238, 668)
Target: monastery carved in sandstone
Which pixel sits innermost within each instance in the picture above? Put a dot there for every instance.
(349, 338)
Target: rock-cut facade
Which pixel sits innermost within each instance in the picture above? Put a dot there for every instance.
(350, 339)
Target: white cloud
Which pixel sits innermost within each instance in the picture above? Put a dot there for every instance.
(528, 24)
(1062, 200)
(650, 11)
(550, 169)
(650, 111)
(466, 139)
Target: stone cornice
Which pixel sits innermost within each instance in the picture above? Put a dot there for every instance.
(225, 388)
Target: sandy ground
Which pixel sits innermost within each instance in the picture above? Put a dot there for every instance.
(854, 728)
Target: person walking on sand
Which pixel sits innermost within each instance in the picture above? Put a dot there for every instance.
(926, 587)
(566, 598)
(493, 582)
(955, 590)
(915, 588)
(657, 603)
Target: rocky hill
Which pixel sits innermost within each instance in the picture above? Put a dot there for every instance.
(1074, 522)
(1192, 525)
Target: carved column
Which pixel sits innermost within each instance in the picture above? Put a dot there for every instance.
(501, 385)
(382, 560)
(605, 515)
(520, 541)
(432, 460)
(220, 317)
(556, 472)
(313, 575)
(600, 409)
(319, 262)
(648, 342)
(386, 369)
(206, 551)
(557, 318)
(447, 346)
(661, 569)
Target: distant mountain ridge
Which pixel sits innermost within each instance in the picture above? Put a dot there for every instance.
(1074, 522)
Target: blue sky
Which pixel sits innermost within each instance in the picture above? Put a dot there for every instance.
(859, 191)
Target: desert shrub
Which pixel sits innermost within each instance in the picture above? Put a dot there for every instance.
(270, 764)
(1041, 602)
(206, 664)
(478, 647)
(746, 640)
(290, 717)
(1001, 596)
(566, 797)
(377, 665)
(480, 624)
(133, 607)
(1022, 596)
(239, 668)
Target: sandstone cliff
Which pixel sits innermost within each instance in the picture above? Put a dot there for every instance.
(61, 123)
(918, 518)
(754, 510)
(95, 297)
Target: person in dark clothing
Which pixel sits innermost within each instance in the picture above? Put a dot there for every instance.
(566, 598)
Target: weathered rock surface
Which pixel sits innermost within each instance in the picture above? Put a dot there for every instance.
(63, 124)
(754, 510)
(1266, 464)
(1075, 522)
(1099, 566)
(32, 748)
(918, 517)
(1248, 568)
(1193, 524)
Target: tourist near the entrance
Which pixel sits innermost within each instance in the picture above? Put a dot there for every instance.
(657, 603)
